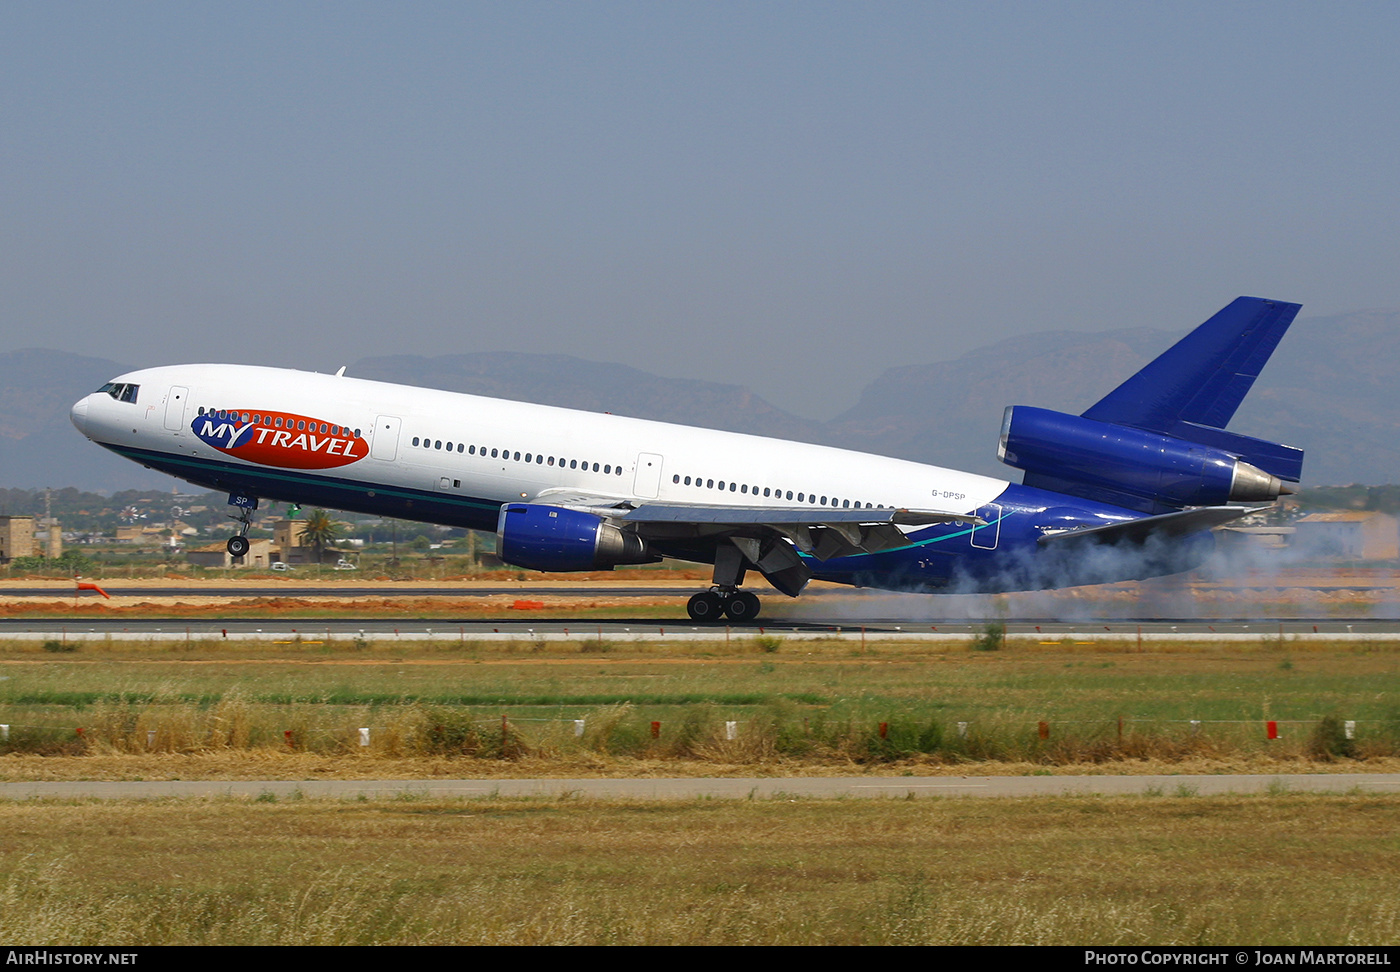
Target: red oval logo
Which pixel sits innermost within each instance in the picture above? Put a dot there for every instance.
(279, 439)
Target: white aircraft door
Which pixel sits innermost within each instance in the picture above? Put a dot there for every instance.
(385, 443)
(986, 537)
(175, 407)
(648, 481)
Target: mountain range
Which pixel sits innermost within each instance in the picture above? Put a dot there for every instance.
(1329, 389)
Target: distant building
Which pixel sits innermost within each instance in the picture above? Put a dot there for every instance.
(142, 535)
(16, 537)
(1255, 538)
(52, 537)
(288, 535)
(1349, 535)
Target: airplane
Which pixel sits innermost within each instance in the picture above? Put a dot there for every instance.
(1129, 489)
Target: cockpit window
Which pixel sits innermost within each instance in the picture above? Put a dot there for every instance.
(121, 391)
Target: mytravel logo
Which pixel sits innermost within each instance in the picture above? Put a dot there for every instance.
(280, 439)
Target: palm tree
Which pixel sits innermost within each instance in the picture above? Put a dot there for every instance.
(320, 531)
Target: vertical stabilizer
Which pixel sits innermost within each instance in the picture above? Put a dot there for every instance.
(1201, 379)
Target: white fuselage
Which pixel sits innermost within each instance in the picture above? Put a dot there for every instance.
(367, 435)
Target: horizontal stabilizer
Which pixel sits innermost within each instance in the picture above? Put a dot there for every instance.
(1203, 377)
(1165, 527)
(1275, 458)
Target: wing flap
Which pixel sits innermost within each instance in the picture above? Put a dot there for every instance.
(580, 499)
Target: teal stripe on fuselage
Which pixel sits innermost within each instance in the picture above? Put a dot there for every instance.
(920, 543)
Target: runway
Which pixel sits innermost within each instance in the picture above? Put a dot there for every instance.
(378, 590)
(380, 628)
(679, 590)
(734, 788)
(1246, 609)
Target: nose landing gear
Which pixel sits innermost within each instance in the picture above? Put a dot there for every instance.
(238, 544)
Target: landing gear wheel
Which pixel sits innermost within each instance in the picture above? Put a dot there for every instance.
(742, 606)
(705, 606)
(238, 544)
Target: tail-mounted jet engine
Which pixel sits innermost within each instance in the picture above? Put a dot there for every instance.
(558, 539)
(1139, 469)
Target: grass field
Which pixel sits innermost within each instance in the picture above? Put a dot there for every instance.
(794, 704)
(1276, 869)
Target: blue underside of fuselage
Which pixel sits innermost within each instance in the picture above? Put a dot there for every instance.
(1004, 555)
(337, 493)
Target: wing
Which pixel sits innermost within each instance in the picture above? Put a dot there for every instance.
(820, 533)
(771, 539)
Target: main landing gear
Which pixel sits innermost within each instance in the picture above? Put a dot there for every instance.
(735, 605)
(725, 599)
(238, 544)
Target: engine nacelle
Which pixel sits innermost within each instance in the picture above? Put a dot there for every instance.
(1161, 469)
(553, 538)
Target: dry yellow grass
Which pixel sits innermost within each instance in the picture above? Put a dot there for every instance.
(1279, 869)
(810, 706)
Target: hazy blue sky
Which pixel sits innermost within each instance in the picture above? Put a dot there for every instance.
(792, 197)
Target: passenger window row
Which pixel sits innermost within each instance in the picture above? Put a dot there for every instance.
(277, 422)
(607, 469)
(802, 497)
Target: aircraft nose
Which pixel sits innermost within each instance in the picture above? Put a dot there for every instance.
(79, 415)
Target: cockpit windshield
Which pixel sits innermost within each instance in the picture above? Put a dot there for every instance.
(121, 391)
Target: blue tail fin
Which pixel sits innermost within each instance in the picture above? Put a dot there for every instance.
(1192, 389)
(1157, 442)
